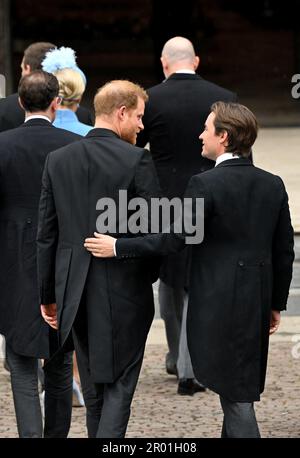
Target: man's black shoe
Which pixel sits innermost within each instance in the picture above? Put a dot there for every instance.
(171, 369)
(189, 386)
(198, 387)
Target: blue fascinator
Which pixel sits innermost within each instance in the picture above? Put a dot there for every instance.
(60, 58)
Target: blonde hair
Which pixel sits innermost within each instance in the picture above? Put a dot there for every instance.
(71, 86)
(116, 94)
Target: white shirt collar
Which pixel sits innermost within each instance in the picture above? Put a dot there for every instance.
(225, 157)
(37, 117)
(186, 70)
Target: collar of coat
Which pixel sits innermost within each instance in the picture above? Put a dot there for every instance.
(100, 132)
(184, 76)
(234, 162)
(37, 122)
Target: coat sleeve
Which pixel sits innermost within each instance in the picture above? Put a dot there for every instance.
(47, 237)
(171, 241)
(283, 255)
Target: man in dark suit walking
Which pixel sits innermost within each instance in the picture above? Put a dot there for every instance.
(11, 114)
(176, 109)
(239, 275)
(108, 305)
(22, 155)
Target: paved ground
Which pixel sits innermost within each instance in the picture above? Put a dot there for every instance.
(158, 411)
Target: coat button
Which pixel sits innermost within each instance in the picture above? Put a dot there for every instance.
(261, 263)
(28, 221)
(241, 263)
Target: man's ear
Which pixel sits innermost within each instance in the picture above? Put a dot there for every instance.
(26, 70)
(20, 103)
(54, 105)
(224, 138)
(164, 64)
(121, 112)
(196, 62)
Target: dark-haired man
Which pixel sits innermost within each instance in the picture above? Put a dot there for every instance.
(11, 114)
(240, 274)
(22, 155)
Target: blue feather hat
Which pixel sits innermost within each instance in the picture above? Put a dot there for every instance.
(60, 58)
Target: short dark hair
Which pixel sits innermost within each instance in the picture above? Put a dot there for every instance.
(35, 54)
(37, 90)
(239, 123)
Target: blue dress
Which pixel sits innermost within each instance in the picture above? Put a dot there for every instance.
(67, 119)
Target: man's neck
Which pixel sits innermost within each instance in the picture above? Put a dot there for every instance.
(184, 68)
(102, 124)
(225, 157)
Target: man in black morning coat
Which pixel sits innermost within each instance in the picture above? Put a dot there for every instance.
(174, 116)
(108, 304)
(22, 156)
(11, 114)
(240, 274)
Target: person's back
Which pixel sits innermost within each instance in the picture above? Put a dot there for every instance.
(90, 162)
(23, 152)
(107, 305)
(22, 155)
(235, 186)
(174, 117)
(236, 274)
(68, 120)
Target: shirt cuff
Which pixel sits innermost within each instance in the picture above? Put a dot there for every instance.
(115, 252)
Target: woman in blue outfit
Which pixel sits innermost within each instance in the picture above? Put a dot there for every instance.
(71, 89)
(72, 82)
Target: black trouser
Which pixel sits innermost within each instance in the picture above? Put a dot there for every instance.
(107, 404)
(58, 394)
(239, 420)
(24, 383)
